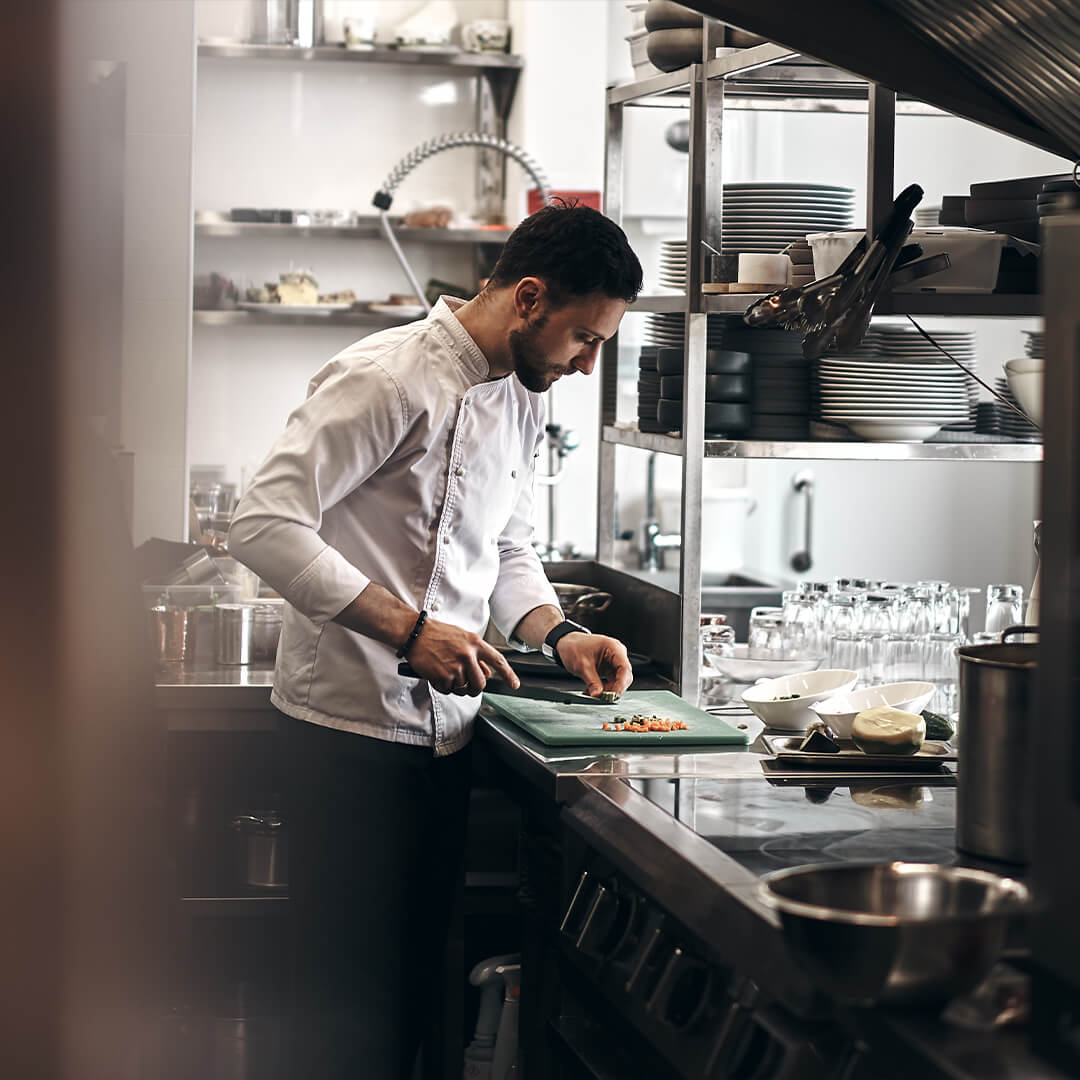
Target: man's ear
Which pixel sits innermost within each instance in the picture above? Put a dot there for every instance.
(529, 296)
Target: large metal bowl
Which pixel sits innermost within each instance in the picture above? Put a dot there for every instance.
(899, 933)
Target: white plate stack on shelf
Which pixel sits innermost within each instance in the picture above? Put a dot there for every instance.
(672, 269)
(904, 344)
(669, 329)
(768, 216)
(999, 419)
(888, 401)
(1034, 345)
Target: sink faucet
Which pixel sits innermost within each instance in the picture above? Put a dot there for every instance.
(652, 543)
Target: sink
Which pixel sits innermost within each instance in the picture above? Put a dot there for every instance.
(732, 594)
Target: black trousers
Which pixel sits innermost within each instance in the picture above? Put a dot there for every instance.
(377, 836)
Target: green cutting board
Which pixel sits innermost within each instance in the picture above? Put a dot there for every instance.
(556, 724)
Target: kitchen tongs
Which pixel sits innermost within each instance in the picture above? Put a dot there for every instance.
(839, 307)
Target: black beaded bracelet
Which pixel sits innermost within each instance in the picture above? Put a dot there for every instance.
(404, 650)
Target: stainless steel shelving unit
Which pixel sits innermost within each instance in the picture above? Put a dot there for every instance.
(766, 76)
(451, 57)
(255, 318)
(212, 224)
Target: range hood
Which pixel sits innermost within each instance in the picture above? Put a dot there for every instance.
(1012, 65)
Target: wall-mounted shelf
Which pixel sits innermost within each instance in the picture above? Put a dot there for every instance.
(234, 906)
(468, 63)
(825, 450)
(213, 224)
(971, 304)
(250, 318)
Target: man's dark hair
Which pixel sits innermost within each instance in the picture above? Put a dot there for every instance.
(575, 250)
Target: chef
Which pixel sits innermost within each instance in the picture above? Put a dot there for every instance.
(394, 514)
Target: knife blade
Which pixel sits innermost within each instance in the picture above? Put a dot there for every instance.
(498, 686)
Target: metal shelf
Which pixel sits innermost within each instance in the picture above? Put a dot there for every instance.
(975, 305)
(453, 57)
(234, 906)
(213, 224)
(251, 318)
(824, 450)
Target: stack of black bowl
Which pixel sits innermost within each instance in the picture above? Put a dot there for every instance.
(728, 391)
(781, 401)
(648, 390)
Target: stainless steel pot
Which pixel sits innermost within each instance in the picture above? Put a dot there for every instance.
(247, 633)
(997, 683)
(581, 602)
(264, 852)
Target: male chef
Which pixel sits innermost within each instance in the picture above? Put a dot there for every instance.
(394, 514)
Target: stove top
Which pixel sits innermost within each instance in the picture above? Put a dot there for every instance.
(768, 826)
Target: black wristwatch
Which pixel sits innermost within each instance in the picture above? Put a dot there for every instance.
(549, 648)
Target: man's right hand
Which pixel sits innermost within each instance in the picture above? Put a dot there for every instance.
(455, 661)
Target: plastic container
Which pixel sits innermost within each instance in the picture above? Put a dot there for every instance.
(974, 257)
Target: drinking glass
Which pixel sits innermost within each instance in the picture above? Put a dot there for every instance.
(875, 643)
(917, 615)
(1004, 607)
(945, 600)
(851, 652)
(802, 631)
(903, 660)
(941, 666)
(815, 590)
(878, 613)
(841, 614)
(766, 637)
(788, 599)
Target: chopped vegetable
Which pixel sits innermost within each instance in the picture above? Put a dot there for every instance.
(884, 730)
(641, 724)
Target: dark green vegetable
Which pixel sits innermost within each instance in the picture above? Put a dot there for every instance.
(938, 729)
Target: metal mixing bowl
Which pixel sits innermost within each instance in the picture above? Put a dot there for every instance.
(909, 933)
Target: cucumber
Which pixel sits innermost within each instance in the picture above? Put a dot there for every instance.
(938, 729)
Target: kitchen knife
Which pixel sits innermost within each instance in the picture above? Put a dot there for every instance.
(537, 693)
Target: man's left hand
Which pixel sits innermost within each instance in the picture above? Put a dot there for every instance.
(600, 662)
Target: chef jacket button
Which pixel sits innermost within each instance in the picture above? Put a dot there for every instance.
(435, 605)
(513, 474)
(460, 470)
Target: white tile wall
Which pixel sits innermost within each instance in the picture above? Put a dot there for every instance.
(155, 39)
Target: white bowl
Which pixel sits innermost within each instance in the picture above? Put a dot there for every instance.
(794, 714)
(743, 668)
(1025, 376)
(840, 710)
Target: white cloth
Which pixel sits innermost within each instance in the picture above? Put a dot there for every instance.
(407, 466)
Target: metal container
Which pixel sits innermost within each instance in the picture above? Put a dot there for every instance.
(169, 632)
(909, 933)
(581, 602)
(994, 792)
(263, 853)
(247, 633)
(275, 22)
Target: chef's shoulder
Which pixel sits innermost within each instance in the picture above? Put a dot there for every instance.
(377, 364)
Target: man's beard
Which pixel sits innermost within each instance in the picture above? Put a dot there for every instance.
(530, 364)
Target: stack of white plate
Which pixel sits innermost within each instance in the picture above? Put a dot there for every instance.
(670, 329)
(1003, 421)
(1034, 344)
(904, 344)
(672, 269)
(884, 400)
(766, 217)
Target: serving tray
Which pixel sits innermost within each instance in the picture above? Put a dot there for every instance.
(785, 748)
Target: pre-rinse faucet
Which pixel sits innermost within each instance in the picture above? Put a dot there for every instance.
(652, 543)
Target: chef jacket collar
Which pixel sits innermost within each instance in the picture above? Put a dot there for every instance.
(468, 351)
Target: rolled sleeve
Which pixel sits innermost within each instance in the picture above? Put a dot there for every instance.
(522, 584)
(350, 424)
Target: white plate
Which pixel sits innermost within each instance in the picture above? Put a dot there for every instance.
(403, 311)
(292, 309)
(894, 432)
(859, 367)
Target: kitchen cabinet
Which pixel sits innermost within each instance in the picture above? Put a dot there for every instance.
(773, 76)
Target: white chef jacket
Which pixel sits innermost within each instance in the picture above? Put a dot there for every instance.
(407, 466)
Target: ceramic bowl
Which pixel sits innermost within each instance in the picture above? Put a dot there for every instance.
(840, 710)
(1025, 376)
(793, 714)
(741, 667)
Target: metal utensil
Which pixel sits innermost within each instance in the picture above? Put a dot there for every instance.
(911, 933)
(498, 686)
